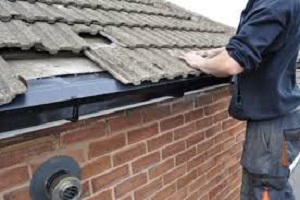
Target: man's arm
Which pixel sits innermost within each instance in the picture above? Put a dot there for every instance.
(244, 52)
(220, 65)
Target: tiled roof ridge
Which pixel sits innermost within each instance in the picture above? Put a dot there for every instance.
(72, 2)
(193, 15)
(103, 5)
(120, 24)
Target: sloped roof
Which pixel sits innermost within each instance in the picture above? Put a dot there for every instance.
(144, 35)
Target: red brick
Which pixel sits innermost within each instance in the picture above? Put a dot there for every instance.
(215, 191)
(203, 99)
(160, 141)
(205, 167)
(228, 143)
(22, 152)
(130, 185)
(237, 129)
(173, 149)
(105, 195)
(120, 124)
(185, 180)
(204, 123)
(240, 136)
(229, 123)
(216, 170)
(205, 197)
(19, 194)
(128, 198)
(194, 115)
(92, 131)
(195, 139)
(199, 182)
(233, 195)
(110, 178)
(182, 106)
(145, 162)
(77, 154)
(185, 156)
(184, 131)
(161, 168)
(221, 94)
(96, 167)
(222, 137)
(179, 195)
(215, 107)
(171, 123)
(196, 161)
(220, 116)
(165, 192)
(203, 146)
(142, 133)
(86, 190)
(214, 151)
(174, 174)
(212, 131)
(156, 112)
(148, 190)
(129, 154)
(106, 145)
(13, 177)
(193, 196)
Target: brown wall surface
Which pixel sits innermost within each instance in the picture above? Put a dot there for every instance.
(184, 148)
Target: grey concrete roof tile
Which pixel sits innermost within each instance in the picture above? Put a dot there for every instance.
(71, 16)
(23, 34)
(58, 37)
(92, 29)
(6, 10)
(7, 39)
(135, 66)
(10, 85)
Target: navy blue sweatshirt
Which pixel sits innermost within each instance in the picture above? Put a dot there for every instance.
(266, 46)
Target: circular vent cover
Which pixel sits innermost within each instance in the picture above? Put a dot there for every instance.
(57, 179)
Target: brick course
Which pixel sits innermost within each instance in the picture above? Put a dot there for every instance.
(186, 148)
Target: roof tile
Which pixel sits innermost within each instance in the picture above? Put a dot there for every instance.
(135, 66)
(10, 84)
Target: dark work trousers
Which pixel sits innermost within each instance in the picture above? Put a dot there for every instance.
(270, 147)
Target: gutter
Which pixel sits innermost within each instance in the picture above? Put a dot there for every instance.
(70, 98)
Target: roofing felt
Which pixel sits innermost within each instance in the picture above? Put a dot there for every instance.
(144, 34)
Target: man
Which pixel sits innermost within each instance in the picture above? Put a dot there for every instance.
(262, 57)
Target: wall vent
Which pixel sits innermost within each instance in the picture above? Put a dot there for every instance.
(57, 179)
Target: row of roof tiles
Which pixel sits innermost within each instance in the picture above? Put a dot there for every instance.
(62, 37)
(87, 3)
(73, 15)
(159, 38)
(54, 12)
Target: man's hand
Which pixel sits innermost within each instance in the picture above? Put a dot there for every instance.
(219, 65)
(193, 59)
(210, 53)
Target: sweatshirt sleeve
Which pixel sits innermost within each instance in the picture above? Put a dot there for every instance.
(262, 27)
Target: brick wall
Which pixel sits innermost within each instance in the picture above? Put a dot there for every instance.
(186, 148)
